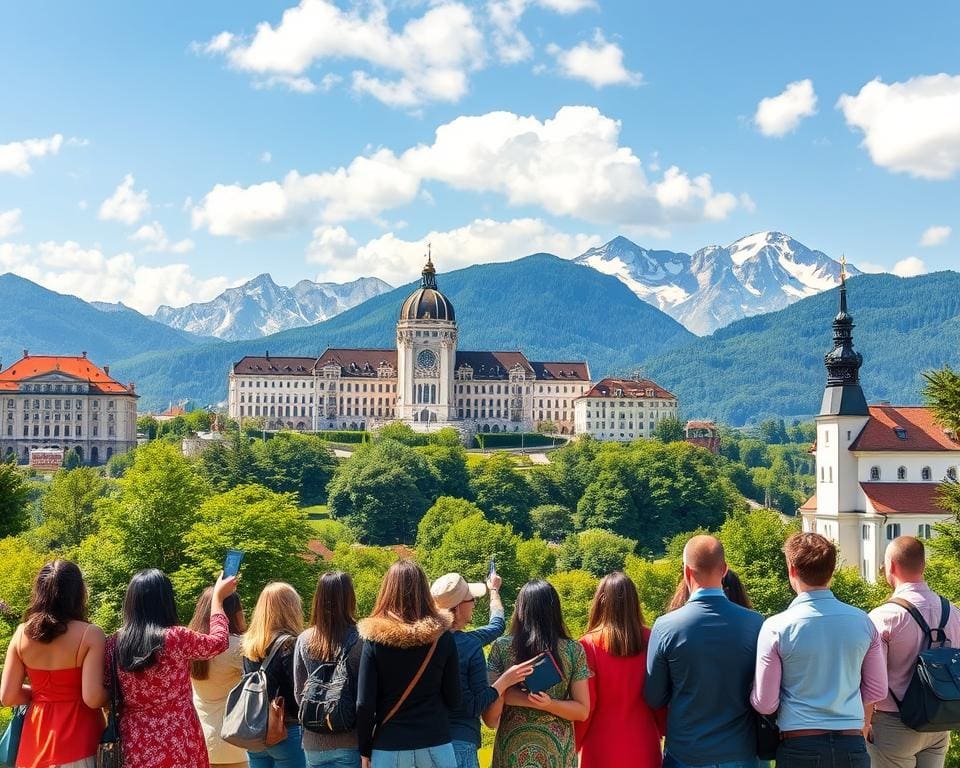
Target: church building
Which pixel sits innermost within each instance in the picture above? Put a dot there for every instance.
(878, 466)
(425, 381)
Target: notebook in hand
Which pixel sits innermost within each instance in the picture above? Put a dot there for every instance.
(545, 675)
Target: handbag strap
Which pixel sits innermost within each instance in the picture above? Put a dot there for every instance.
(413, 682)
(114, 687)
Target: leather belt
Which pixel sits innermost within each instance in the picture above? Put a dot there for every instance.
(819, 732)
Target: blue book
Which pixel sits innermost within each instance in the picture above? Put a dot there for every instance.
(546, 674)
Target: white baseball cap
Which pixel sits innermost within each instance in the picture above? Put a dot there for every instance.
(451, 589)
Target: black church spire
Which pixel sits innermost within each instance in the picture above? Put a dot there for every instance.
(843, 395)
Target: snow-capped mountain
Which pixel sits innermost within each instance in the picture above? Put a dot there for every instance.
(261, 307)
(759, 273)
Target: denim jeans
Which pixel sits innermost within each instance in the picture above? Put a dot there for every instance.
(669, 761)
(466, 754)
(287, 754)
(431, 757)
(828, 750)
(333, 758)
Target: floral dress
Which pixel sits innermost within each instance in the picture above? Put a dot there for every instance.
(159, 727)
(527, 737)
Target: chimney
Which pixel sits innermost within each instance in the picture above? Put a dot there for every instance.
(26, 353)
(106, 369)
(267, 354)
(84, 354)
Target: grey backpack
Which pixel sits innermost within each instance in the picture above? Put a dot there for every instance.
(246, 717)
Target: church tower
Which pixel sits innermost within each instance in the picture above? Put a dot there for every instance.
(843, 415)
(426, 355)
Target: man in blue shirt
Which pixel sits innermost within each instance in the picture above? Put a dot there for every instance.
(700, 665)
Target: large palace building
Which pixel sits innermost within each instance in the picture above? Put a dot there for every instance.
(65, 402)
(878, 466)
(425, 382)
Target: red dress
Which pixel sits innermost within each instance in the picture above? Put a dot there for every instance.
(158, 724)
(59, 727)
(622, 731)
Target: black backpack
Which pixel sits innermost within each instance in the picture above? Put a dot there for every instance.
(328, 703)
(932, 700)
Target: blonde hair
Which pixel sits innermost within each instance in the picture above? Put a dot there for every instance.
(279, 611)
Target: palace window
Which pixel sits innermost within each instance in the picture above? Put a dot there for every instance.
(925, 473)
(893, 531)
(874, 473)
(901, 473)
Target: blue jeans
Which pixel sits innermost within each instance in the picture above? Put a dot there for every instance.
(466, 754)
(669, 761)
(431, 757)
(333, 758)
(287, 754)
(828, 750)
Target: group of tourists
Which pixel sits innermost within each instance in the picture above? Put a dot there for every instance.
(409, 685)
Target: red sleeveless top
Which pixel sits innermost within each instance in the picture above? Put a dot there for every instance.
(59, 728)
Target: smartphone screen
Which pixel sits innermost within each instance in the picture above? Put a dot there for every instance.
(231, 563)
(492, 569)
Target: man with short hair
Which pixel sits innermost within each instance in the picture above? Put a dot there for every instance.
(700, 663)
(892, 744)
(818, 663)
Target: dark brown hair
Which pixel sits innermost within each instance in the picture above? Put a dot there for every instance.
(734, 590)
(813, 557)
(405, 594)
(537, 624)
(680, 596)
(200, 668)
(59, 596)
(333, 615)
(616, 615)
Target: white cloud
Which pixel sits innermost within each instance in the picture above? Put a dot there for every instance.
(10, 222)
(266, 157)
(427, 60)
(571, 165)
(330, 245)
(935, 236)
(125, 205)
(154, 236)
(909, 267)
(217, 44)
(599, 63)
(781, 114)
(483, 240)
(15, 157)
(68, 267)
(509, 42)
(911, 127)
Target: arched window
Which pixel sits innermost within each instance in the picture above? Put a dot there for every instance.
(925, 473)
(874, 473)
(901, 473)
(952, 473)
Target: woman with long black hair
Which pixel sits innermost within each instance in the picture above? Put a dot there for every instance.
(538, 725)
(151, 655)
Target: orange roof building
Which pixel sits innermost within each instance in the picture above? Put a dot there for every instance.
(65, 402)
(623, 409)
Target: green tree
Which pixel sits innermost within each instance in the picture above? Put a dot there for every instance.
(333, 533)
(149, 426)
(656, 582)
(71, 459)
(21, 562)
(367, 566)
(294, 463)
(670, 430)
(753, 453)
(942, 394)
(382, 491)
(119, 463)
(402, 433)
(536, 558)
(69, 507)
(449, 463)
(597, 551)
(14, 499)
(270, 529)
(469, 544)
(576, 589)
(850, 587)
(503, 493)
(552, 522)
(228, 463)
(442, 515)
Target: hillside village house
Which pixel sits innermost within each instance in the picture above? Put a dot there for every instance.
(878, 466)
(425, 382)
(623, 409)
(65, 402)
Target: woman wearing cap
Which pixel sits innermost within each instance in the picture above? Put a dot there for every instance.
(454, 594)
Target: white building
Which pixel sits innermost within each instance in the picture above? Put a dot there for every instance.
(878, 466)
(425, 381)
(65, 402)
(623, 409)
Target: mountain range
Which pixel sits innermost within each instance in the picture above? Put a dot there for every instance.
(715, 286)
(260, 307)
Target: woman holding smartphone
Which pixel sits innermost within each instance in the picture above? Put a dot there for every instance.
(539, 724)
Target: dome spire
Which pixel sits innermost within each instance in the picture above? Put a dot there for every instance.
(843, 395)
(428, 277)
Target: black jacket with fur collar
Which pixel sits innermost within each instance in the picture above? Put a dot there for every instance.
(392, 653)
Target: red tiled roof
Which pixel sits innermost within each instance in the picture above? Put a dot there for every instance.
(359, 362)
(630, 387)
(77, 367)
(810, 505)
(701, 425)
(921, 431)
(915, 498)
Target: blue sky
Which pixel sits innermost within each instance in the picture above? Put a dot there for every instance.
(156, 153)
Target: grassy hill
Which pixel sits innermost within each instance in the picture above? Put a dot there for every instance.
(50, 323)
(550, 308)
(772, 365)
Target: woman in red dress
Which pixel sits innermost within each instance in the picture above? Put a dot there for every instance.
(621, 731)
(159, 726)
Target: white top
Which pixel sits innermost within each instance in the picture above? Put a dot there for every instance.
(210, 700)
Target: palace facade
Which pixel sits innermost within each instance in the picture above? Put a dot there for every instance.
(425, 381)
(65, 402)
(623, 409)
(878, 466)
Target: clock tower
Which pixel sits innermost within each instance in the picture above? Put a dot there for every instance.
(426, 355)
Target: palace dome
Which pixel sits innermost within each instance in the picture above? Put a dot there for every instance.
(427, 303)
